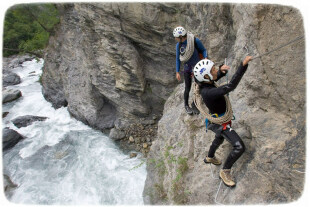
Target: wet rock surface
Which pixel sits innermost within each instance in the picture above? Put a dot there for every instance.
(9, 95)
(10, 138)
(23, 121)
(10, 79)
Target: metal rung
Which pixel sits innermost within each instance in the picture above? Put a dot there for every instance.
(213, 173)
(215, 199)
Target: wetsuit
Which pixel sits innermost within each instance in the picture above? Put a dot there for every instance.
(214, 99)
(190, 64)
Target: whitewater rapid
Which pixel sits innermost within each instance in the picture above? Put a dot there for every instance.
(62, 160)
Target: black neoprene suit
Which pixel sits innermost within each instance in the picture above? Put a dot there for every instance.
(188, 84)
(214, 99)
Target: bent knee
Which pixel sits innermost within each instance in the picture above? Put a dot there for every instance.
(239, 147)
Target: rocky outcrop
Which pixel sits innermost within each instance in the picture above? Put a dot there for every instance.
(111, 62)
(269, 106)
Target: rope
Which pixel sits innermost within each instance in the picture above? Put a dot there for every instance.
(290, 42)
(189, 48)
(205, 111)
(226, 73)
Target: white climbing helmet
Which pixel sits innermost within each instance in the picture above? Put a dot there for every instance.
(202, 68)
(179, 31)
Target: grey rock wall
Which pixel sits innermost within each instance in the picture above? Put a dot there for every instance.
(110, 62)
(269, 106)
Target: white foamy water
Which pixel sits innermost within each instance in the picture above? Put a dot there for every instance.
(63, 161)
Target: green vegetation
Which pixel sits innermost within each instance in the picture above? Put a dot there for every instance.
(135, 167)
(27, 28)
(178, 193)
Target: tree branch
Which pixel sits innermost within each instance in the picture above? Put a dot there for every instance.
(37, 20)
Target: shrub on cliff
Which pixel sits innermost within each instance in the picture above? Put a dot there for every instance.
(27, 28)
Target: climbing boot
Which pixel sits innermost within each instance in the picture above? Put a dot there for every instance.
(212, 160)
(188, 110)
(195, 110)
(226, 177)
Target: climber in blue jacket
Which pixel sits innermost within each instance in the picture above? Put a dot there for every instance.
(188, 50)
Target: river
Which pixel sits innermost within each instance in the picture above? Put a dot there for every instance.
(62, 160)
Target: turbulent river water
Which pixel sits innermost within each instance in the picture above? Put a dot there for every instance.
(62, 160)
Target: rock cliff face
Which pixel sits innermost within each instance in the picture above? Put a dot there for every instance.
(113, 65)
(269, 106)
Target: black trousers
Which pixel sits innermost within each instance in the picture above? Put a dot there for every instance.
(188, 85)
(232, 137)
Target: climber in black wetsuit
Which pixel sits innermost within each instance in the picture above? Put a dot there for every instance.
(214, 99)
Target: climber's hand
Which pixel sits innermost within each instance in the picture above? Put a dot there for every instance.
(178, 76)
(224, 68)
(246, 60)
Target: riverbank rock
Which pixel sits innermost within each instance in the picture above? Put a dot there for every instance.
(14, 61)
(23, 121)
(133, 154)
(138, 137)
(9, 95)
(10, 138)
(116, 134)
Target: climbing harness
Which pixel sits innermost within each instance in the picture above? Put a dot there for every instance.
(277, 48)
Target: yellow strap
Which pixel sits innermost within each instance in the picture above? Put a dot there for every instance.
(217, 116)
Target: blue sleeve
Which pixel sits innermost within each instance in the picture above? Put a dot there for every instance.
(178, 62)
(201, 48)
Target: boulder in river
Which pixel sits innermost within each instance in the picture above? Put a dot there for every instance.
(9, 95)
(10, 138)
(23, 121)
(10, 79)
(4, 114)
(8, 185)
